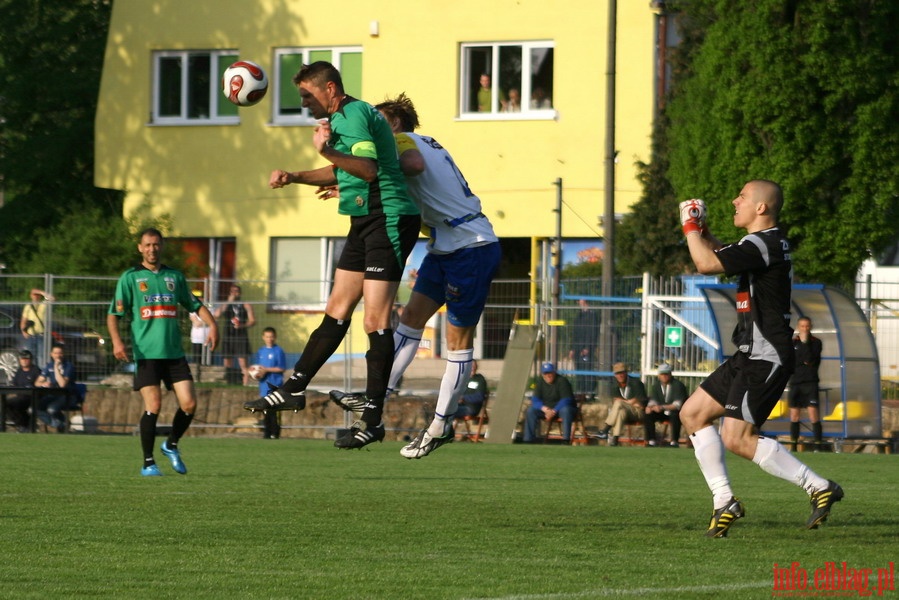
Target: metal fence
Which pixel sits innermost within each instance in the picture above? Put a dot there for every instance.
(631, 326)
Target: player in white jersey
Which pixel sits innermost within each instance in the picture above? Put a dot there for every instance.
(463, 257)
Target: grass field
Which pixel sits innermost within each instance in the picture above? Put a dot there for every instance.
(300, 519)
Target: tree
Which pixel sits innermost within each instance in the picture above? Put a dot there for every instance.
(805, 94)
(51, 55)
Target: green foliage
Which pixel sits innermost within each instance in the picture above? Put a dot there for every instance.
(805, 94)
(299, 519)
(52, 57)
(649, 237)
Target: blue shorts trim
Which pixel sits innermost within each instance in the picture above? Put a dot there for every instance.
(460, 280)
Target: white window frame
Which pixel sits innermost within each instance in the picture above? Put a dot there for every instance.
(303, 118)
(216, 96)
(328, 251)
(466, 76)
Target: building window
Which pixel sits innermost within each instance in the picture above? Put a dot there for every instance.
(507, 81)
(187, 87)
(288, 109)
(302, 270)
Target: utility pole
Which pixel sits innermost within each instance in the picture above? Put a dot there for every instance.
(608, 255)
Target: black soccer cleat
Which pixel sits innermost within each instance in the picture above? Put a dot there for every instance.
(360, 435)
(822, 501)
(290, 396)
(351, 402)
(724, 517)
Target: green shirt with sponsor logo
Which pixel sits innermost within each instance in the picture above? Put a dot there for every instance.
(360, 130)
(150, 299)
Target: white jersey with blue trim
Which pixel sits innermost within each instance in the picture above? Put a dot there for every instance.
(450, 213)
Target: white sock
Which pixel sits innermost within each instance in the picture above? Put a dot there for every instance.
(455, 379)
(709, 451)
(775, 460)
(405, 341)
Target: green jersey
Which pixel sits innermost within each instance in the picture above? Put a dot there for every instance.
(151, 300)
(360, 130)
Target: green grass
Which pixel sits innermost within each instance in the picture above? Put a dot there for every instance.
(300, 519)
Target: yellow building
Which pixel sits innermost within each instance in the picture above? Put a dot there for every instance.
(167, 136)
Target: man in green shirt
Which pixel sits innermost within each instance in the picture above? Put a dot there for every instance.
(149, 294)
(384, 226)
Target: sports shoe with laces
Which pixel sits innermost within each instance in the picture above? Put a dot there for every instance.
(424, 443)
(351, 402)
(360, 435)
(174, 456)
(724, 517)
(286, 397)
(151, 471)
(822, 501)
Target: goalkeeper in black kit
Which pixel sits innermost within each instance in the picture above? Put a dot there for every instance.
(745, 388)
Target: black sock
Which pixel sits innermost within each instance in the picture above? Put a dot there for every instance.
(180, 423)
(148, 435)
(378, 361)
(794, 432)
(323, 342)
(816, 428)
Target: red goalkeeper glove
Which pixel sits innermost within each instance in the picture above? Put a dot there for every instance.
(692, 216)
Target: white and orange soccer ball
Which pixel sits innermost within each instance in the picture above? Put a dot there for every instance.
(244, 83)
(256, 372)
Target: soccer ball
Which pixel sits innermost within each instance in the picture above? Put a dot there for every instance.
(244, 83)
(256, 372)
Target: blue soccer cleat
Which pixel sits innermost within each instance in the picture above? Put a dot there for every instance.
(174, 456)
(151, 471)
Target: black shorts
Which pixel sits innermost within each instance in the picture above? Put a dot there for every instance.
(236, 344)
(803, 395)
(379, 245)
(152, 371)
(747, 389)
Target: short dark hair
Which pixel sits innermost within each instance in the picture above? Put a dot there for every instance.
(151, 231)
(272, 329)
(319, 73)
(402, 109)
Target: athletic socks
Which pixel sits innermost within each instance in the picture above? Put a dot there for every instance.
(378, 362)
(180, 423)
(452, 385)
(148, 436)
(322, 343)
(405, 342)
(709, 451)
(775, 460)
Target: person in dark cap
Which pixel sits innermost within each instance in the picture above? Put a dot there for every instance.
(552, 398)
(628, 405)
(666, 397)
(17, 405)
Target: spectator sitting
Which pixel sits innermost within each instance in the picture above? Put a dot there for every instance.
(26, 376)
(552, 397)
(628, 406)
(472, 401)
(59, 374)
(665, 399)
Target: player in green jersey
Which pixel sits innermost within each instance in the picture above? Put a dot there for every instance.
(149, 294)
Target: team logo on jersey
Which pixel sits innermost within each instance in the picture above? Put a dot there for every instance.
(158, 312)
(743, 302)
(142, 285)
(119, 305)
(170, 284)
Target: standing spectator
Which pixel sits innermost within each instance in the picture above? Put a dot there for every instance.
(235, 341)
(199, 332)
(666, 397)
(59, 374)
(273, 362)
(746, 387)
(804, 383)
(32, 325)
(26, 376)
(384, 225)
(149, 294)
(552, 398)
(629, 404)
(584, 341)
(485, 94)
